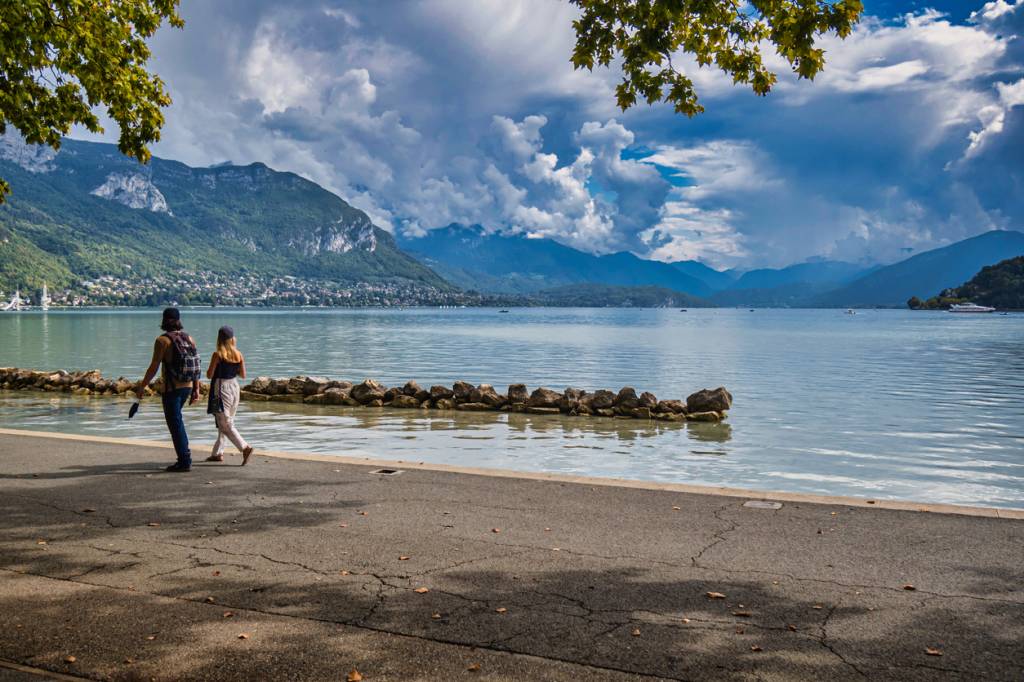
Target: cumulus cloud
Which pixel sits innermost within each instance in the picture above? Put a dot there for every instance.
(427, 112)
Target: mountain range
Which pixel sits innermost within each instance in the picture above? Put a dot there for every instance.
(516, 264)
(87, 211)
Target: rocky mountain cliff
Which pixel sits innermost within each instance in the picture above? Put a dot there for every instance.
(88, 211)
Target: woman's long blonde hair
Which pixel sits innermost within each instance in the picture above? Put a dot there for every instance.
(227, 350)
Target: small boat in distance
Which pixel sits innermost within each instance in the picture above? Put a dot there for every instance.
(502, 311)
(851, 311)
(682, 310)
(44, 300)
(970, 308)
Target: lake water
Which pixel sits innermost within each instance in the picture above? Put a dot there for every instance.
(926, 406)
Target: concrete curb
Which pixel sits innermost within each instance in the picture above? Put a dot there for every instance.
(779, 496)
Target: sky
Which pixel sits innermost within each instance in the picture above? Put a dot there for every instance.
(428, 112)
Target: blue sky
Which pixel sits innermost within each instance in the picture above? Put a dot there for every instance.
(427, 112)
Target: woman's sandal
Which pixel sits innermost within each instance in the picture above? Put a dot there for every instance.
(246, 454)
(215, 458)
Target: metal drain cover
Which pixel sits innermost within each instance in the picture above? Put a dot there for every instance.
(762, 504)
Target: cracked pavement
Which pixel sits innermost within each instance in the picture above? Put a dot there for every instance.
(327, 567)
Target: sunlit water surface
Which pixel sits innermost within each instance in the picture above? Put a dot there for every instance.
(882, 404)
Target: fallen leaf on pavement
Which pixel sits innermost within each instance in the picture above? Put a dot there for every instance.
(932, 651)
(343, 572)
(716, 595)
(129, 661)
(70, 659)
(343, 525)
(495, 530)
(151, 637)
(686, 620)
(756, 648)
(244, 635)
(210, 600)
(501, 609)
(792, 628)
(547, 530)
(216, 573)
(909, 587)
(228, 614)
(817, 607)
(40, 542)
(473, 667)
(676, 508)
(403, 558)
(88, 510)
(421, 590)
(436, 616)
(636, 632)
(739, 631)
(363, 514)
(741, 614)
(354, 676)
(152, 524)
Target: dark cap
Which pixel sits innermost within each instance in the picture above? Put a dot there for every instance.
(172, 314)
(226, 332)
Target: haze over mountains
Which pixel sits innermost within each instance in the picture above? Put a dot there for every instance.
(87, 211)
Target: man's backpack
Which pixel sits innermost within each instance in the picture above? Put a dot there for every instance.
(185, 365)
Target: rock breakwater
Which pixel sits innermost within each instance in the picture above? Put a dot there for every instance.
(704, 405)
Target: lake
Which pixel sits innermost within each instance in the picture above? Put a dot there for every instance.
(927, 406)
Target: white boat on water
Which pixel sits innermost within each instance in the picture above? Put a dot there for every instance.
(970, 308)
(44, 300)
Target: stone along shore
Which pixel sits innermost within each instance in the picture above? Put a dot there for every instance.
(704, 405)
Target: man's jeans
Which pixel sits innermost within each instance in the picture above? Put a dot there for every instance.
(173, 402)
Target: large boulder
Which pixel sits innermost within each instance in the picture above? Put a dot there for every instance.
(277, 387)
(709, 400)
(346, 385)
(671, 407)
(368, 391)
(296, 385)
(648, 400)
(336, 396)
(444, 404)
(441, 392)
(391, 394)
(627, 399)
(410, 388)
(599, 400)
(314, 385)
(485, 393)
(517, 393)
(422, 395)
(406, 401)
(571, 398)
(461, 390)
(544, 397)
(259, 385)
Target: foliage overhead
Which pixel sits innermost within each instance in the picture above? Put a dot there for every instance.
(727, 34)
(61, 58)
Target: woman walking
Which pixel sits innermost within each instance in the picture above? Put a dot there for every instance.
(226, 365)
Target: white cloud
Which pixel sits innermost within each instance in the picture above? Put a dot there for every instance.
(991, 11)
(993, 116)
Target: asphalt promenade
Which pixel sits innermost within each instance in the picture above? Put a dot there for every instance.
(293, 569)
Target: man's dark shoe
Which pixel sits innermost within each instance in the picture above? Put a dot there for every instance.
(177, 468)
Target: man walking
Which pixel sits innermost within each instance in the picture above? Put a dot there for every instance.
(176, 353)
